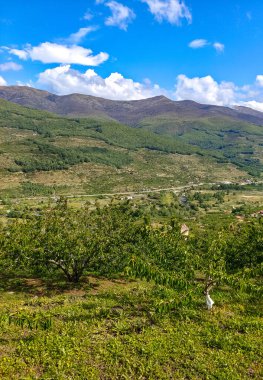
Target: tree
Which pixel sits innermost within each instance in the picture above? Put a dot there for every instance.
(164, 257)
(245, 246)
(72, 240)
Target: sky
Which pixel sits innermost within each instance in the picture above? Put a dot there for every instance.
(207, 51)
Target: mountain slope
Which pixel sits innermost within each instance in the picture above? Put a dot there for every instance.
(43, 153)
(127, 112)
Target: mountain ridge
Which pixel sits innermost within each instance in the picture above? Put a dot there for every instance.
(129, 112)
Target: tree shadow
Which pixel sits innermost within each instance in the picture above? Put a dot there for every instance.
(35, 286)
(55, 284)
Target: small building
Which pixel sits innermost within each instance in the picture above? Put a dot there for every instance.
(185, 230)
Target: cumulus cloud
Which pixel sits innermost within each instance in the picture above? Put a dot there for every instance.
(77, 37)
(205, 90)
(48, 52)
(197, 44)
(64, 80)
(10, 66)
(121, 15)
(172, 11)
(2, 81)
(219, 47)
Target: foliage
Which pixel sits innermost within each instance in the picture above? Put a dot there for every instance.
(245, 246)
(116, 326)
(23, 320)
(223, 138)
(71, 240)
(54, 158)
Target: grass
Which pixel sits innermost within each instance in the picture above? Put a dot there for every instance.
(116, 329)
(120, 328)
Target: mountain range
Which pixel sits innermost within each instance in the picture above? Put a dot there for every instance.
(127, 112)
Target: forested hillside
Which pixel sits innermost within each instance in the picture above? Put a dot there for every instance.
(34, 145)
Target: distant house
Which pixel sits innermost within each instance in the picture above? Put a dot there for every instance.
(258, 214)
(184, 230)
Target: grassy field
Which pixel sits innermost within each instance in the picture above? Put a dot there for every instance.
(116, 329)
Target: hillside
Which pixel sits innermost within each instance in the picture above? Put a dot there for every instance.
(96, 155)
(127, 112)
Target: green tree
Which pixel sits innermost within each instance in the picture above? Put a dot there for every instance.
(73, 240)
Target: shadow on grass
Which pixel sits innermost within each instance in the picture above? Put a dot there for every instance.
(48, 286)
(56, 284)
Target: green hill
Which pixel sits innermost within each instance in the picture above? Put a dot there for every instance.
(95, 154)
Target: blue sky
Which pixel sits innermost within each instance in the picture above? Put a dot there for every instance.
(208, 51)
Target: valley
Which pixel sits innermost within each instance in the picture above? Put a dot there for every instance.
(60, 155)
(111, 231)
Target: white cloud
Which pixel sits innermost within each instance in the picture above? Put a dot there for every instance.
(88, 16)
(258, 106)
(22, 54)
(64, 80)
(219, 47)
(172, 11)
(199, 43)
(2, 81)
(48, 52)
(121, 15)
(28, 84)
(259, 80)
(10, 66)
(205, 90)
(77, 37)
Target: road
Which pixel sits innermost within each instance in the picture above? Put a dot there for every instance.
(174, 189)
